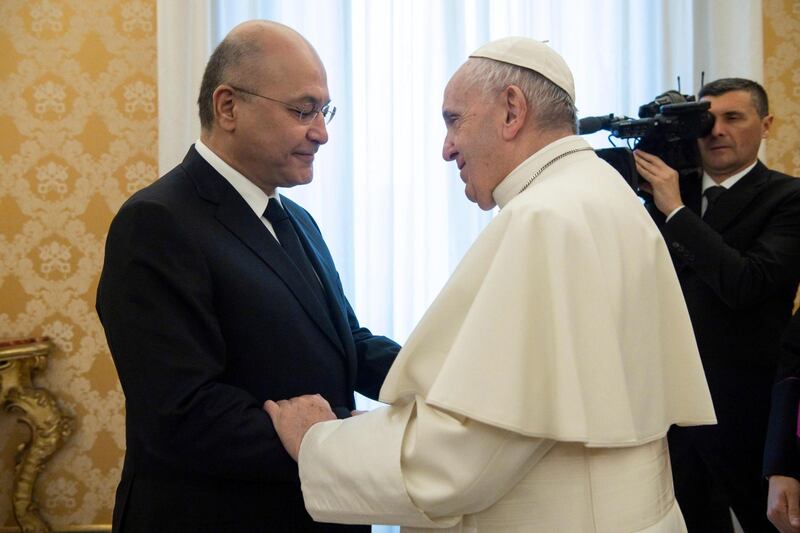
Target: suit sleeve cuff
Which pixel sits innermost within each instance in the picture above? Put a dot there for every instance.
(780, 449)
(672, 213)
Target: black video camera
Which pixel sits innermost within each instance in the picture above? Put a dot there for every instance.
(668, 127)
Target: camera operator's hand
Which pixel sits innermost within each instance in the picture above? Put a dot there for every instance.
(662, 181)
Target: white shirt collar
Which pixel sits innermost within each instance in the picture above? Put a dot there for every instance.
(250, 192)
(540, 162)
(728, 182)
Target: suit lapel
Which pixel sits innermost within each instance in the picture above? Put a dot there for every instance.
(691, 191)
(736, 199)
(330, 283)
(234, 213)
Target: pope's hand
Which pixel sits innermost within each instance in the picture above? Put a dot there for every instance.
(294, 416)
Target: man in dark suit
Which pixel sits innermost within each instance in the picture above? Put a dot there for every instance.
(734, 233)
(781, 454)
(218, 294)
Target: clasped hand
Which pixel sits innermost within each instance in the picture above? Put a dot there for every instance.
(293, 417)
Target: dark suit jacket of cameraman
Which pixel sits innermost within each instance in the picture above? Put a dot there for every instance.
(739, 270)
(207, 317)
(740, 266)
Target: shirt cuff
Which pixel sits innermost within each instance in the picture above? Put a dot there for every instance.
(672, 213)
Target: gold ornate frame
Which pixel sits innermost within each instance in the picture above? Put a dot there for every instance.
(49, 425)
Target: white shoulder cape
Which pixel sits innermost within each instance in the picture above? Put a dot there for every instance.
(564, 320)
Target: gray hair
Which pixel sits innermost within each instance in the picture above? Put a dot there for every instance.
(229, 55)
(551, 106)
(724, 85)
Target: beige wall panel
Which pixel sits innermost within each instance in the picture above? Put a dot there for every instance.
(79, 129)
(782, 82)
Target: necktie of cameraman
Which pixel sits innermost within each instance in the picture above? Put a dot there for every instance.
(287, 236)
(712, 194)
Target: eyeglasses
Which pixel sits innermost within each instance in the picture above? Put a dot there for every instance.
(306, 113)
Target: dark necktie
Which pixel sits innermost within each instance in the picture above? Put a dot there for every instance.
(712, 194)
(291, 245)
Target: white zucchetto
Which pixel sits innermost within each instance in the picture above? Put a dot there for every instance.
(533, 55)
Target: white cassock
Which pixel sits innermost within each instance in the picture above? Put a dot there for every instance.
(536, 392)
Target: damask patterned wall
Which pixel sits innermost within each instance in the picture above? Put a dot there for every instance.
(78, 130)
(782, 82)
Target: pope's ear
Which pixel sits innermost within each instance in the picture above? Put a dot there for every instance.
(225, 107)
(516, 109)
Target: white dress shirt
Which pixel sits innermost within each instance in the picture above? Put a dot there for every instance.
(250, 192)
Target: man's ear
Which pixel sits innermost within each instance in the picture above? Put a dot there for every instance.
(224, 107)
(516, 109)
(766, 124)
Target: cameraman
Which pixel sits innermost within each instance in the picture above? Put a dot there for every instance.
(734, 234)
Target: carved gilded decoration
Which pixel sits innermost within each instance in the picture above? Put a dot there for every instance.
(49, 426)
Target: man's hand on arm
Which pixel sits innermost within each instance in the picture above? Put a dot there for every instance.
(293, 417)
(662, 181)
(783, 503)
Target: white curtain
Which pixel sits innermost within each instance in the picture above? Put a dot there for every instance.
(392, 211)
(185, 40)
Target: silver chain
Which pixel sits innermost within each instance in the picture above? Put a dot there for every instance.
(556, 158)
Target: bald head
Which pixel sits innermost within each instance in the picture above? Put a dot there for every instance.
(256, 52)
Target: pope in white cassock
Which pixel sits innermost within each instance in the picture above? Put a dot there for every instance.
(536, 392)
